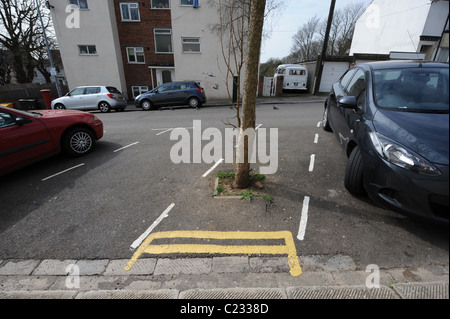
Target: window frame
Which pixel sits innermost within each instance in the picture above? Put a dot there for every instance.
(139, 87)
(78, 4)
(87, 49)
(135, 55)
(127, 4)
(191, 43)
(156, 8)
(156, 42)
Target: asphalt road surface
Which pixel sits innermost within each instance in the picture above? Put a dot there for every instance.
(99, 205)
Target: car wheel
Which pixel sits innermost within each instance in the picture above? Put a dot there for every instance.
(104, 107)
(147, 105)
(354, 173)
(194, 102)
(59, 106)
(325, 123)
(78, 141)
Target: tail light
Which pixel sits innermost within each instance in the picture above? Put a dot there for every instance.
(200, 90)
(111, 96)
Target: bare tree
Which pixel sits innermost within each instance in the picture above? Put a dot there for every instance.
(308, 41)
(306, 44)
(22, 34)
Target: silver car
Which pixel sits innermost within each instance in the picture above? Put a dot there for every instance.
(103, 98)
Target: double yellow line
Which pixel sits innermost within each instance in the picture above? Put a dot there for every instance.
(287, 249)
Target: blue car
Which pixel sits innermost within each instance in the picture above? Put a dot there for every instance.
(392, 120)
(172, 94)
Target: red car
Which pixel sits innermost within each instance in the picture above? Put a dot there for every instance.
(26, 137)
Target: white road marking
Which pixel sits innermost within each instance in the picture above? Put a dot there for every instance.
(303, 219)
(69, 169)
(170, 129)
(318, 124)
(212, 168)
(257, 127)
(311, 162)
(126, 146)
(144, 235)
(316, 139)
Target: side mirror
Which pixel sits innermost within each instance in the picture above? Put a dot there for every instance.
(68, 94)
(21, 121)
(348, 102)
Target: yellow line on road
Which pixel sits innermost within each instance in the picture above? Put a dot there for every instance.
(288, 249)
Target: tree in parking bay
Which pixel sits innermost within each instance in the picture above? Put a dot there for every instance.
(240, 31)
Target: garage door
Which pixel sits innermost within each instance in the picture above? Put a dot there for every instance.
(332, 72)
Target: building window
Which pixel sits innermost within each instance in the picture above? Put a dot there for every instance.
(137, 90)
(160, 4)
(191, 45)
(136, 55)
(82, 4)
(87, 50)
(130, 11)
(163, 40)
(190, 3)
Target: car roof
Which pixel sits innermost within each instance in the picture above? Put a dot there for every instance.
(394, 64)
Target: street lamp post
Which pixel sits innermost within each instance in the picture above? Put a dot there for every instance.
(48, 50)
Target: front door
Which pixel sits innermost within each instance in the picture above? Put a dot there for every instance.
(164, 76)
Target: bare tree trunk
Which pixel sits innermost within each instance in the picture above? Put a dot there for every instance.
(250, 89)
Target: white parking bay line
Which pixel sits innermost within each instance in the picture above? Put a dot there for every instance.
(62, 172)
(311, 162)
(212, 168)
(170, 129)
(141, 238)
(126, 146)
(303, 219)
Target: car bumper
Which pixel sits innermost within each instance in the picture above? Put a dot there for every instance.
(408, 192)
(116, 104)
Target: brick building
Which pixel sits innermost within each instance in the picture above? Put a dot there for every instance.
(136, 45)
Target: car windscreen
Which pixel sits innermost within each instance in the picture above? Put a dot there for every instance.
(412, 89)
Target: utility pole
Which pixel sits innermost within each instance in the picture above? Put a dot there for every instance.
(324, 49)
(52, 65)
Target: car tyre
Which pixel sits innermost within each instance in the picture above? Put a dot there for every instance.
(353, 180)
(325, 122)
(59, 106)
(147, 105)
(194, 102)
(104, 107)
(78, 141)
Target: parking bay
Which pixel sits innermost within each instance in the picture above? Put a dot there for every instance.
(98, 209)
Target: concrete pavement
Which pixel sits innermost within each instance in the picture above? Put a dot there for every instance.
(232, 277)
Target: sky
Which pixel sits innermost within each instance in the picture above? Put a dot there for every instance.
(290, 18)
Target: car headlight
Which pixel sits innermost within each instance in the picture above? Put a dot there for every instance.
(402, 157)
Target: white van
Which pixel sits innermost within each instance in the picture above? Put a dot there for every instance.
(295, 76)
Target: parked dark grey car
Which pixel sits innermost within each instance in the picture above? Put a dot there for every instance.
(171, 94)
(392, 120)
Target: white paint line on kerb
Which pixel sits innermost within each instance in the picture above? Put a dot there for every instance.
(126, 146)
(212, 168)
(316, 139)
(62, 172)
(311, 162)
(303, 219)
(144, 235)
